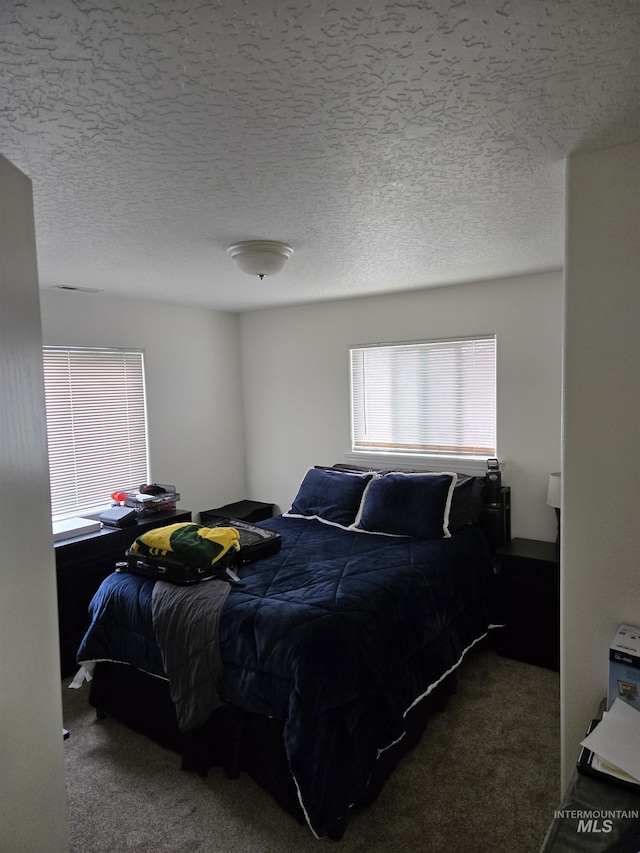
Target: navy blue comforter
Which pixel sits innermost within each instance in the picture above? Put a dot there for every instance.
(338, 635)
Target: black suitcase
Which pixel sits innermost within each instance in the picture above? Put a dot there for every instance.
(255, 542)
(174, 571)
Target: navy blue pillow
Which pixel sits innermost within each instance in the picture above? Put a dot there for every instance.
(408, 505)
(331, 495)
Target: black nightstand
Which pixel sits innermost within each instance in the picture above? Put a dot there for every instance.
(250, 511)
(528, 600)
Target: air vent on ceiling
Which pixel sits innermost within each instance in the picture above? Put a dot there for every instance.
(76, 289)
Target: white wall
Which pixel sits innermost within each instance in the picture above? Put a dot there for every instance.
(192, 370)
(296, 380)
(33, 806)
(601, 432)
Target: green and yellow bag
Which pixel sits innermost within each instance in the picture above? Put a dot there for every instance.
(184, 553)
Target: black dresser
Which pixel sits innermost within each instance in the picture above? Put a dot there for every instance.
(82, 563)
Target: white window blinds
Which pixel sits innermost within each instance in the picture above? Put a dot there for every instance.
(432, 397)
(96, 425)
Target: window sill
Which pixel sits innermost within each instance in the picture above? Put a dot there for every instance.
(402, 461)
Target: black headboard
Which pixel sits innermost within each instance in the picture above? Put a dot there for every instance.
(495, 519)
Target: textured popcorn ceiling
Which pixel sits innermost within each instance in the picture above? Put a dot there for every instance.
(394, 145)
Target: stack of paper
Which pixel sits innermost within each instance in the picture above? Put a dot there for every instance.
(615, 743)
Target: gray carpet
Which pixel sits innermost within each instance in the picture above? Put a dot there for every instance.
(484, 778)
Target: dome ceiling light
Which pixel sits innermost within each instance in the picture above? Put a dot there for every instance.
(260, 257)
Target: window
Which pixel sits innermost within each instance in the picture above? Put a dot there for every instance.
(425, 398)
(96, 425)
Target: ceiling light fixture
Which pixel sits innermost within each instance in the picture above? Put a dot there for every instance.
(260, 257)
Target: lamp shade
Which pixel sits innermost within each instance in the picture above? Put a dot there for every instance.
(554, 491)
(260, 257)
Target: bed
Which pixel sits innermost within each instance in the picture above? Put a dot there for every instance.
(320, 669)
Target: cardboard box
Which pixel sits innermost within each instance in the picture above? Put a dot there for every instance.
(624, 667)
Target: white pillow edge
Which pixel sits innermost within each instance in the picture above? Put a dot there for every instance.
(355, 525)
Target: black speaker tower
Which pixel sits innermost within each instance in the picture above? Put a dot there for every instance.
(493, 481)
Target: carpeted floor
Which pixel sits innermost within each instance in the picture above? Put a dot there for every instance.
(484, 778)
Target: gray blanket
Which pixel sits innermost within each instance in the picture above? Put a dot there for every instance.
(185, 621)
